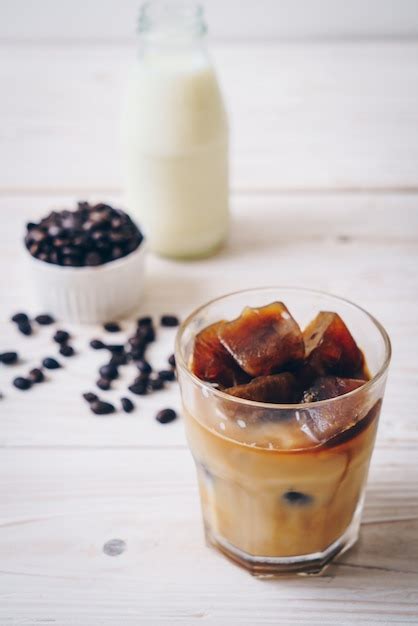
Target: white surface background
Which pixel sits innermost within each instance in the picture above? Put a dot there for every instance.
(323, 101)
(115, 20)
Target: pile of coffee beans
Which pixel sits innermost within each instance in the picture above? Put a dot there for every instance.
(90, 235)
(131, 351)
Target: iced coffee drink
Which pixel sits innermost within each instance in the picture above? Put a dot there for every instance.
(282, 392)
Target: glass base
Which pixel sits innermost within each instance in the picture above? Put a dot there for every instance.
(268, 567)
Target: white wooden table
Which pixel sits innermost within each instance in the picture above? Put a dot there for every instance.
(324, 194)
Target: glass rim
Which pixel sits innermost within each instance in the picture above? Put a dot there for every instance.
(180, 362)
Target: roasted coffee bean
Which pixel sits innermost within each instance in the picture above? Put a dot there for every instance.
(139, 388)
(93, 258)
(137, 343)
(109, 371)
(51, 364)
(112, 327)
(55, 231)
(165, 416)
(142, 377)
(145, 333)
(102, 408)
(90, 235)
(36, 375)
(61, 336)
(127, 405)
(296, 498)
(145, 321)
(169, 320)
(144, 366)
(25, 328)
(44, 319)
(103, 384)
(96, 344)
(54, 257)
(66, 350)
(167, 375)
(9, 358)
(71, 261)
(90, 397)
(118, 358)
(137, 354)
(156, 384)
(22, 383)
(172, 360)
(116, 347)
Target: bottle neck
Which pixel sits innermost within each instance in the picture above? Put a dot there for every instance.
(164, 23)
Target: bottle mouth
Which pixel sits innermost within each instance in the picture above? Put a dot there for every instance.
(172, 18)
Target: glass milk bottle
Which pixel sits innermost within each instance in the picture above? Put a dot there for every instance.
(175, 135)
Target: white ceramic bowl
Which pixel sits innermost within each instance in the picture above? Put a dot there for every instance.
(91, 294)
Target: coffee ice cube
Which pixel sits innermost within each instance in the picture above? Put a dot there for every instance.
(340, 424)
(212, 362)
(263, 340)
(326, 387)
(276, 388)
(330, 348)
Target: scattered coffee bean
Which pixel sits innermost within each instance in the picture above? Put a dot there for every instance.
(165, 416)
(109, 371)
(51, 364)
(139, 388)
(97, 344)
(144, 366)
(103, 384)
(136, 354)
(145, 333)
(66, 350)
(112, 327)
(145, 321)
(36, 375)
(89, 236)
(297, 498)
(45, 319)
(25, 328)
(127, 405)
(22, 383)
(167, 375)
(8, 358)
(61, 336)
(169, 320)
(156, 384)
(118, 358)
(90, 397)
(172, 360)
(115, 347)
(18, 318)
(102, 408)
(142, 377)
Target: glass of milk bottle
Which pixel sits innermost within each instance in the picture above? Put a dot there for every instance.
(175, 135)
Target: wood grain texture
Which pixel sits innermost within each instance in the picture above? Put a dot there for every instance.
(321, 116)
(322, 241)
(324, 174)
(62, 506)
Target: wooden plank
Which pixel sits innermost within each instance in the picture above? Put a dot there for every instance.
(313, 116)
(340, 244)
(61, 507)
(111, 21)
